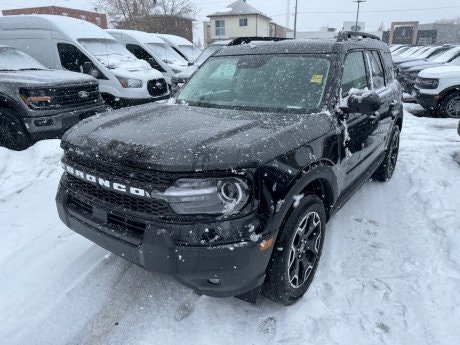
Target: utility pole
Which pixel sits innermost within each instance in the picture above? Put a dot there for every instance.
(357, 13)
(295, 20)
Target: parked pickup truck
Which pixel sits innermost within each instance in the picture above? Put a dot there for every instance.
(229, 190)
(38, 103)
(438, 90)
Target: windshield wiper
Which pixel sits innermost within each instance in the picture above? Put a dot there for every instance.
(32, 69)
(8, 70)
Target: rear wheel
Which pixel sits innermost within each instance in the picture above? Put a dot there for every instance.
(450, 105)
(385, 171)
(297, 252)
(12, 133)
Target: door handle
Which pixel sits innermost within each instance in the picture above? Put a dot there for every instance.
(375, 116)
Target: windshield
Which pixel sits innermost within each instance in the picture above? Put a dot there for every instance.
(437, 53)
(109, 52)
(263, 82)
(167, 54)
(14, 60)
(211, 49)
(446, 56)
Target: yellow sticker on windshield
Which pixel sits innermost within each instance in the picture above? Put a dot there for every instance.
(317, 78)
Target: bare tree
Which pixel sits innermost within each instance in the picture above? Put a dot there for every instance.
(130, 11)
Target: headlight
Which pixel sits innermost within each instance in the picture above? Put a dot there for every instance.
(36, 99)
(224, 196)
(129, 83)
(426, 83)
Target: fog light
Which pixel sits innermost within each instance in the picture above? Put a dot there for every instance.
(43, 123)
(214, 281)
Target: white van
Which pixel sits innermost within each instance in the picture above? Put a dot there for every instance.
(75, 45)
(151, 48)
(181, 45)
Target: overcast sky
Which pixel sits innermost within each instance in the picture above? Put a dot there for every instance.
(313, 14)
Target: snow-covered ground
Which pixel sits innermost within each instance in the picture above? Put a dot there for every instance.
(390, 272)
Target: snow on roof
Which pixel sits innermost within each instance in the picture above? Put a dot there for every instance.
(237, 8)
(72, 27)
(177, 40)
(140, 36)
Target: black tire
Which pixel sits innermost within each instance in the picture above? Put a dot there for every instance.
(13, 135)
(450, 105)
(385, 171)
(293, 258)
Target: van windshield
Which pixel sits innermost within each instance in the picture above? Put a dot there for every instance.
(109, 52)
(282, 82)
(15, 60)
(167, 54)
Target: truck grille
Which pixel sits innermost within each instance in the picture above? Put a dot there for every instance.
(157, 87)
(147, 207)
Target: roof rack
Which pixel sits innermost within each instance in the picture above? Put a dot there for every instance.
(345, 35)
(249, 39)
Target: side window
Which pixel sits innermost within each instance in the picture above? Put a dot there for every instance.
(72, 59)
(455, 61)
(142, 54)
(376, 69)
(354, 73)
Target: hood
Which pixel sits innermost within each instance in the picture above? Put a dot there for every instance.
(45, 77)
(402, 60)
(441, 72)
(410, 64)
(128, 66)
(422, 67)
(183, 138)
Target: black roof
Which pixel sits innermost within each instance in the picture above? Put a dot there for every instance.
(301, 46)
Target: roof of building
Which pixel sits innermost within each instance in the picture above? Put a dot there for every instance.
(238, 8)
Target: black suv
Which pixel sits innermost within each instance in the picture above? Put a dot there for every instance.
(229, 190)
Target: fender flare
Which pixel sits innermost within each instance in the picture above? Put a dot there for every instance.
(8, 102)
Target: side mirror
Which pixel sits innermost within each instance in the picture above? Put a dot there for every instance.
(87, 67)
(367, 103)
(190, 63)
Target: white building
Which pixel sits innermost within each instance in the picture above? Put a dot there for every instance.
(238, 19)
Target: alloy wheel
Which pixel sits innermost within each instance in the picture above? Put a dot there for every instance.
(8, 137)
(453, 107)
(304, 252)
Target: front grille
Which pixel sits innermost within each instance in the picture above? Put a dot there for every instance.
(157, 87)
(147, 207)
(157, 180)
(69, 97)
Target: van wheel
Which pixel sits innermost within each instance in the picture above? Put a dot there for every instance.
(109, 102)
(12, 133)
(297, 252)
(450, 105)
(385, 171)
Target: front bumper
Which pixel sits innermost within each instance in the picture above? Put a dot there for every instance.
(54, 126)
(240, 266)
(130, 102)
(427, 101)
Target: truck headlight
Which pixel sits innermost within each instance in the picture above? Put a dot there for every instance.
(36, 99)
(426, 83)
(217, 196)
(129, 83)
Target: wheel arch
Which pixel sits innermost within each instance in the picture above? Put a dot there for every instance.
(448, 91)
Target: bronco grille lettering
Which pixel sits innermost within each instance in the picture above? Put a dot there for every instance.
(104, 183)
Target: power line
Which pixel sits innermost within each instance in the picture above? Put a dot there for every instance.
(371, 11)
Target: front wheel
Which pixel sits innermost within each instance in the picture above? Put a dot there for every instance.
(297, 252)
(450, 105)
(12, 133)
(385, 171)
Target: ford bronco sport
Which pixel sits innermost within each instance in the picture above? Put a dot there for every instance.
(229, 190)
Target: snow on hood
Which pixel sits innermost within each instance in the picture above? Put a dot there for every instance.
(443, 71)
(45, 77)
(128, 66)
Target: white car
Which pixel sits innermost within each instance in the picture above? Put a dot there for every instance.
(438, 89)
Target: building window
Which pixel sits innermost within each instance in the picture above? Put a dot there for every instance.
(98, 21)
(243, 21)
(83, 17)
(65, 14)
(220, 27)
